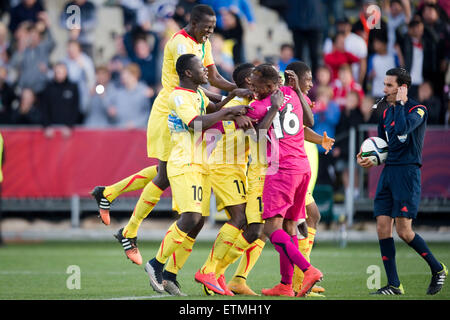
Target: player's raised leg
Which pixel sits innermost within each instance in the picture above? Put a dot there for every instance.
(105, 195)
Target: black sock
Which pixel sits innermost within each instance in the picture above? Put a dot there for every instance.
(421, 248)
(387, 248)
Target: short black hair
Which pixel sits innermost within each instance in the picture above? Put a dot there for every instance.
(403, 76)
(201, 10)
(241, 72)
(184, 63)
(299, 67)
(267, 71)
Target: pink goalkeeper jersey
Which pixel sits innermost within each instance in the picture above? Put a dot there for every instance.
(287, 151)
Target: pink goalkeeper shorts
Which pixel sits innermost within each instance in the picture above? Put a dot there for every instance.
(284, 194)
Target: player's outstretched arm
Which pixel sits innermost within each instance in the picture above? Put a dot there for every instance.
(216, 79)
(206, 121)
(238, 92)
(325, 141)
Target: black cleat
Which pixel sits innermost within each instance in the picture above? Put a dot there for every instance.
(437, 281)
(389, 290)
(130, 247)
(103, 204)
(155, 276)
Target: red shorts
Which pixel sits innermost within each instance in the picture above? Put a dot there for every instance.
(284, 194)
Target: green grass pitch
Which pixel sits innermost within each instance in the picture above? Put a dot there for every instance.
(40, 271)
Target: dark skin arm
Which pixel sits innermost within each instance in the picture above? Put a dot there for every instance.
(308, 117)
(324, 141)
(213, 107)
(208, 120)
(216, 80)
(276, 100)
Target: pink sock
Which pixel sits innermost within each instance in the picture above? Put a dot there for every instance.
(289, 253)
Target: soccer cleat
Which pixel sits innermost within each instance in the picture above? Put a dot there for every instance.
(239, 286)
(103, 204)
(437, 281)
(280, 289)
(315, 295)
(317, 289)
(173, 288)
(389, 290)
(210, 281)
(156, 280)
(311, 276)
(223, 285)
(130, 247)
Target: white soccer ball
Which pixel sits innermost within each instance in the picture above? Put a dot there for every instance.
(375, 149)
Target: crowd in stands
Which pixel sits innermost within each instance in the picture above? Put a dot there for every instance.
(349, 52)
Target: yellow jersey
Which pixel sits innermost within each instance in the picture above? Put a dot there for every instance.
(188, 149)
(232, 147)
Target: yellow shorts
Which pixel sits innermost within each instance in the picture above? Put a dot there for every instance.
(191, 192)
(309, 198)
(255, 206)
(229, 184)
(158, 134)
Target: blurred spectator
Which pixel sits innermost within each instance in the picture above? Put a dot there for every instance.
(305, 18)
(369, 23)
(379, 62)
(4, 8)
(60, 102)
(339, 56)
(286, 56)
(242, 8)
(351, 117)
(322, 78)
(326, 117)
(129, 107)
(353, 44)
(27, 10)
(32, 64)
(84, 33)
(142, 48)
(81, 71)
(232, 30)
(28, 111)
(397, 13)
(182, 13)
(156, 14)
(7, 96)
(119, 60)
(344, 84)
(427, 98)
(370, 115)
(222, 59)
(97, 112)
(419, 54)
(443, 7)
(4, 44)
(334, 11)
(130, 10)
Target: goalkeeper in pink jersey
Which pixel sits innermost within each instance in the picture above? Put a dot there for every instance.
(288, 172)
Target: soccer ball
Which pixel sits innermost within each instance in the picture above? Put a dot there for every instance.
(376, 149)
(207, 292)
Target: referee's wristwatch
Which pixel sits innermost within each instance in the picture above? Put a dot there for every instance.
(401, 102)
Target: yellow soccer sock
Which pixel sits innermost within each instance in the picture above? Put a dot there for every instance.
(134, 182)
(180, 256)
(297, 279)
(249, 259)
(224, 241)
(238, 248)
(170, 243)
(147, 201)
(311, 238)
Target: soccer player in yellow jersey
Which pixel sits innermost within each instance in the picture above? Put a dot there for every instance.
(187, 169)
(194, 38)
(228, 168)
